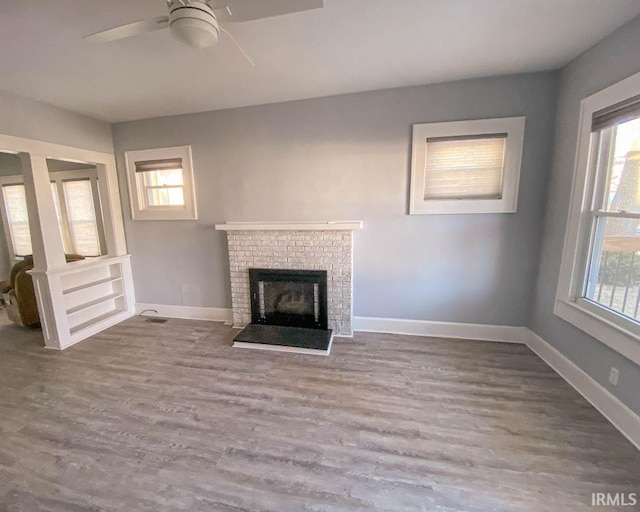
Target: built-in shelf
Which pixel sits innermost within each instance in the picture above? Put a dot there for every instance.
(93, 294)
(95, 302)
(87, 296)
(338, 225)
(91, 284)
(95, 320)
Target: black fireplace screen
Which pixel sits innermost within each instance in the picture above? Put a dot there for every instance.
(295, 298)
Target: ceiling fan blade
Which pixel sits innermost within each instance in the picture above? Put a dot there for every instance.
(129, 30)
(249, 10)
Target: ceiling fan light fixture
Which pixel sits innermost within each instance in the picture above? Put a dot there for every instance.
(193, 23)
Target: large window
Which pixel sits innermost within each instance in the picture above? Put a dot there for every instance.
(599, 288)
(77, 202)
(17, 219)
(613, 273)
(466, 166)
(161, 184)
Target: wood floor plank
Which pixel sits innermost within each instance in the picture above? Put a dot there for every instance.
(149, 416)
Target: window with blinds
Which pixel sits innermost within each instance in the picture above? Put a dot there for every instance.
(161, 184)
(15, 204)
(463, 167)
(81, 215)
(76, 202)
(599, 280)
(468, 167)
(613, 265)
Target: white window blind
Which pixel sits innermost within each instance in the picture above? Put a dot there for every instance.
(78, 196)
(18, 219)
(77, 210)
(466, 167)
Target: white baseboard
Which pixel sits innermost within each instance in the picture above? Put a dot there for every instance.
(187, 312)
(618, 414)
(482, 332)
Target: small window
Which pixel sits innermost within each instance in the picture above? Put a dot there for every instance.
(599, 286)
(466, 167)
(161, 184)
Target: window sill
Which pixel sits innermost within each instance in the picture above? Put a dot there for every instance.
(587, 318)
(462, 206)
(164, 213)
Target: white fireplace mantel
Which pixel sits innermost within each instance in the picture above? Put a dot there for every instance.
(338, 225)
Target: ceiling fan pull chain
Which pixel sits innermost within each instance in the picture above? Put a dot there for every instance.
(238, 45)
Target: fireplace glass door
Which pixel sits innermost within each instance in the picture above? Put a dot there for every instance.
(295, 298)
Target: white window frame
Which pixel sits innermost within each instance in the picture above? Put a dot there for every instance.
(508, 201)
(614, 330)
(139, 211)
(59, 177)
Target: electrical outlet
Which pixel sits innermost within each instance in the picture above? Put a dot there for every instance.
(614, 375)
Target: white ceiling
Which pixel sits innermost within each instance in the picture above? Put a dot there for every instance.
(349, 46)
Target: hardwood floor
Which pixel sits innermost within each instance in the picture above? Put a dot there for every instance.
(168, 417)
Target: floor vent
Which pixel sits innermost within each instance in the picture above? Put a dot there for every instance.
(155, 320)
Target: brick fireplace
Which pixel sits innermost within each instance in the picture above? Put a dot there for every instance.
(294, 246)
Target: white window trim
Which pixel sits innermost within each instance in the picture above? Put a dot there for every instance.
(138, 210)
(508, 203)
(612, 329)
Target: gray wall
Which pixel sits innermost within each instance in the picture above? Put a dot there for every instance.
(342, 158)
(614, 58)
(10, 164)
(22, 117)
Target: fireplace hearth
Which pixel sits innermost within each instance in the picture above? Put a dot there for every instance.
(288, 310)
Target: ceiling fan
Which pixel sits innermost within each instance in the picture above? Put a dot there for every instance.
(195, 22)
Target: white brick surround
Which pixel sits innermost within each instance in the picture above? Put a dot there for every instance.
(294, 249)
